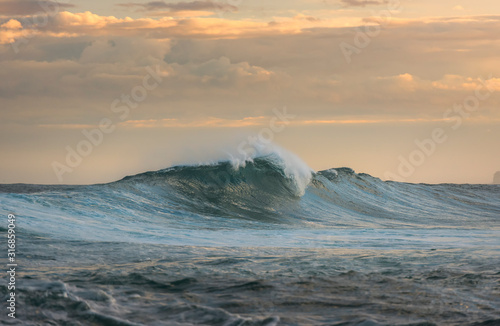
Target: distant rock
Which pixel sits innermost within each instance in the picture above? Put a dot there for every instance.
(496, 178)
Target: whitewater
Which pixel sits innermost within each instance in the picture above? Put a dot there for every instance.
(260, 241)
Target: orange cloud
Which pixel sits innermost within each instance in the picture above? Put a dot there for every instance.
(183, 13)
(10, 31)
(260, 121)
(455, 82)
(87, 23)
(208, 123)
(180, 24)
(12, 24)
(447, 82)
(193, 24)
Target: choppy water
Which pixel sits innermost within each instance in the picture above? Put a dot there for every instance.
(265, 243)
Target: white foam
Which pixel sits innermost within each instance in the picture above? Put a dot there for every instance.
(293, 166)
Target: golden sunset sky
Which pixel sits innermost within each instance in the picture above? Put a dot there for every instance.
(370, 84)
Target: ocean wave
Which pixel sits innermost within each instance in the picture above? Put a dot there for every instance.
(275, 190)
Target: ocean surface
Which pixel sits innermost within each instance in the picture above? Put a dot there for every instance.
(263, 242)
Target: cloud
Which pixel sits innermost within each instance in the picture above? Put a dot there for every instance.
(10, 31)
(183, 13)
(413, 68)
(108, 67)
(180, 6)
(305, 17)
(205, 123)
(67, 24)
(258, 121)
(448, 82)
(124, 51)
(363, 3)
(12, 24)
(461, 83)
(30, 7)
(223, 71)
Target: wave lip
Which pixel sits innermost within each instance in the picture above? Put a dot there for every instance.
(292, 166)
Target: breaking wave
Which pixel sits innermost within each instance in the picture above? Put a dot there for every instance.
(273, 191)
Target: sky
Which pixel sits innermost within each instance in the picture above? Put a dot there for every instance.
(92, 91)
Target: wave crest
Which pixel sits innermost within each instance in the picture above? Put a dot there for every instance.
(275, 171)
